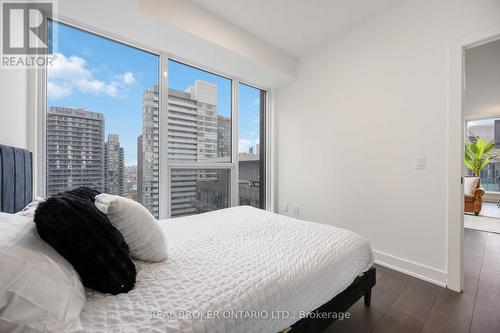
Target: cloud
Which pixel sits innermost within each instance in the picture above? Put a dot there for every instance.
(97, 87)
(68, 73)
(128, 78)
(244, 145)
(55, 91)
(68, 68)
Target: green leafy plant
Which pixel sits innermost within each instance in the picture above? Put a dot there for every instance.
(477, 154)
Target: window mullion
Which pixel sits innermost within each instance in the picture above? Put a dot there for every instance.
(234, 143)
(164, 187)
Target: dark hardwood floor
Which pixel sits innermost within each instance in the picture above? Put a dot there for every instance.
(403, 304)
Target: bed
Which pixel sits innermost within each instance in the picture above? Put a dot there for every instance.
(239, 269)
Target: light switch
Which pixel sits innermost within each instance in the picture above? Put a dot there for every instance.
(419, 162)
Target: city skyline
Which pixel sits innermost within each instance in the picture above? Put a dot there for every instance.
(85, 75)
(79, 155)
(123, 156)
(193, 134)
(196, 132)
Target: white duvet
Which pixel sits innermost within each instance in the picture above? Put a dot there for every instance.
(234, 270)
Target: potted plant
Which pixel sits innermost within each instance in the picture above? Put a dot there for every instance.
(477, 154)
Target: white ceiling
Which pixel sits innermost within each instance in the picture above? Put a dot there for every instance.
(295, 26)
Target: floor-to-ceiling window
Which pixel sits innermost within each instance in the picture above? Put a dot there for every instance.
(114, 124)
(199, 141)
(251, 146)
(102, 116)
(488, 130)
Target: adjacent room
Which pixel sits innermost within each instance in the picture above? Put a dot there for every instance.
(250, 166)
(482, 123)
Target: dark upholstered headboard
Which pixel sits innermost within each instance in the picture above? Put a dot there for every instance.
(16, 179)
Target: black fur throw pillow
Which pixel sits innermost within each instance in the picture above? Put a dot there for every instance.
(84, 236)
(84, 193)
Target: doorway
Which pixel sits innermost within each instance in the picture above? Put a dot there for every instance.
(456, 149)
(481, 112)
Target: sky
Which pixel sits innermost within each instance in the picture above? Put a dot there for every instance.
(100, 75)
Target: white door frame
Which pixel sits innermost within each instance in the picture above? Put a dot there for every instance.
(455, 200)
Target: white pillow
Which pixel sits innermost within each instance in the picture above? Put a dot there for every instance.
(470, 184)
(29, 210)
(141, 230)
(40, 290)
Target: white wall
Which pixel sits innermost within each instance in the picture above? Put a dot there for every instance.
(13, 107)
(196, 20)
(482, 81)
(361, 108)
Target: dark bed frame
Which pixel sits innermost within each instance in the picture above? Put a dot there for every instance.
(16, 191)
(361, 287)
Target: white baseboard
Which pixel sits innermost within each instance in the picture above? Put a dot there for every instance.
(411, 268)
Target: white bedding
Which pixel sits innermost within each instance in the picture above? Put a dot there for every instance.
(233, 260)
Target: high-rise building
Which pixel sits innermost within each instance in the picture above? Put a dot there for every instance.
(75, 149)
(497, 133)
(192, 136)
(150, 150)
(114, 163)
(223, 136)
(205, 95)
(182, 126)
(249, 179)
(213, 193)
(182, 146)
(130, 182)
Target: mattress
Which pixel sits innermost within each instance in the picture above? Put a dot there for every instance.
(234, 270)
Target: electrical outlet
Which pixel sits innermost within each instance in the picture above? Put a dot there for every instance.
(284, 207)
(296, 210)
(419, 162)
